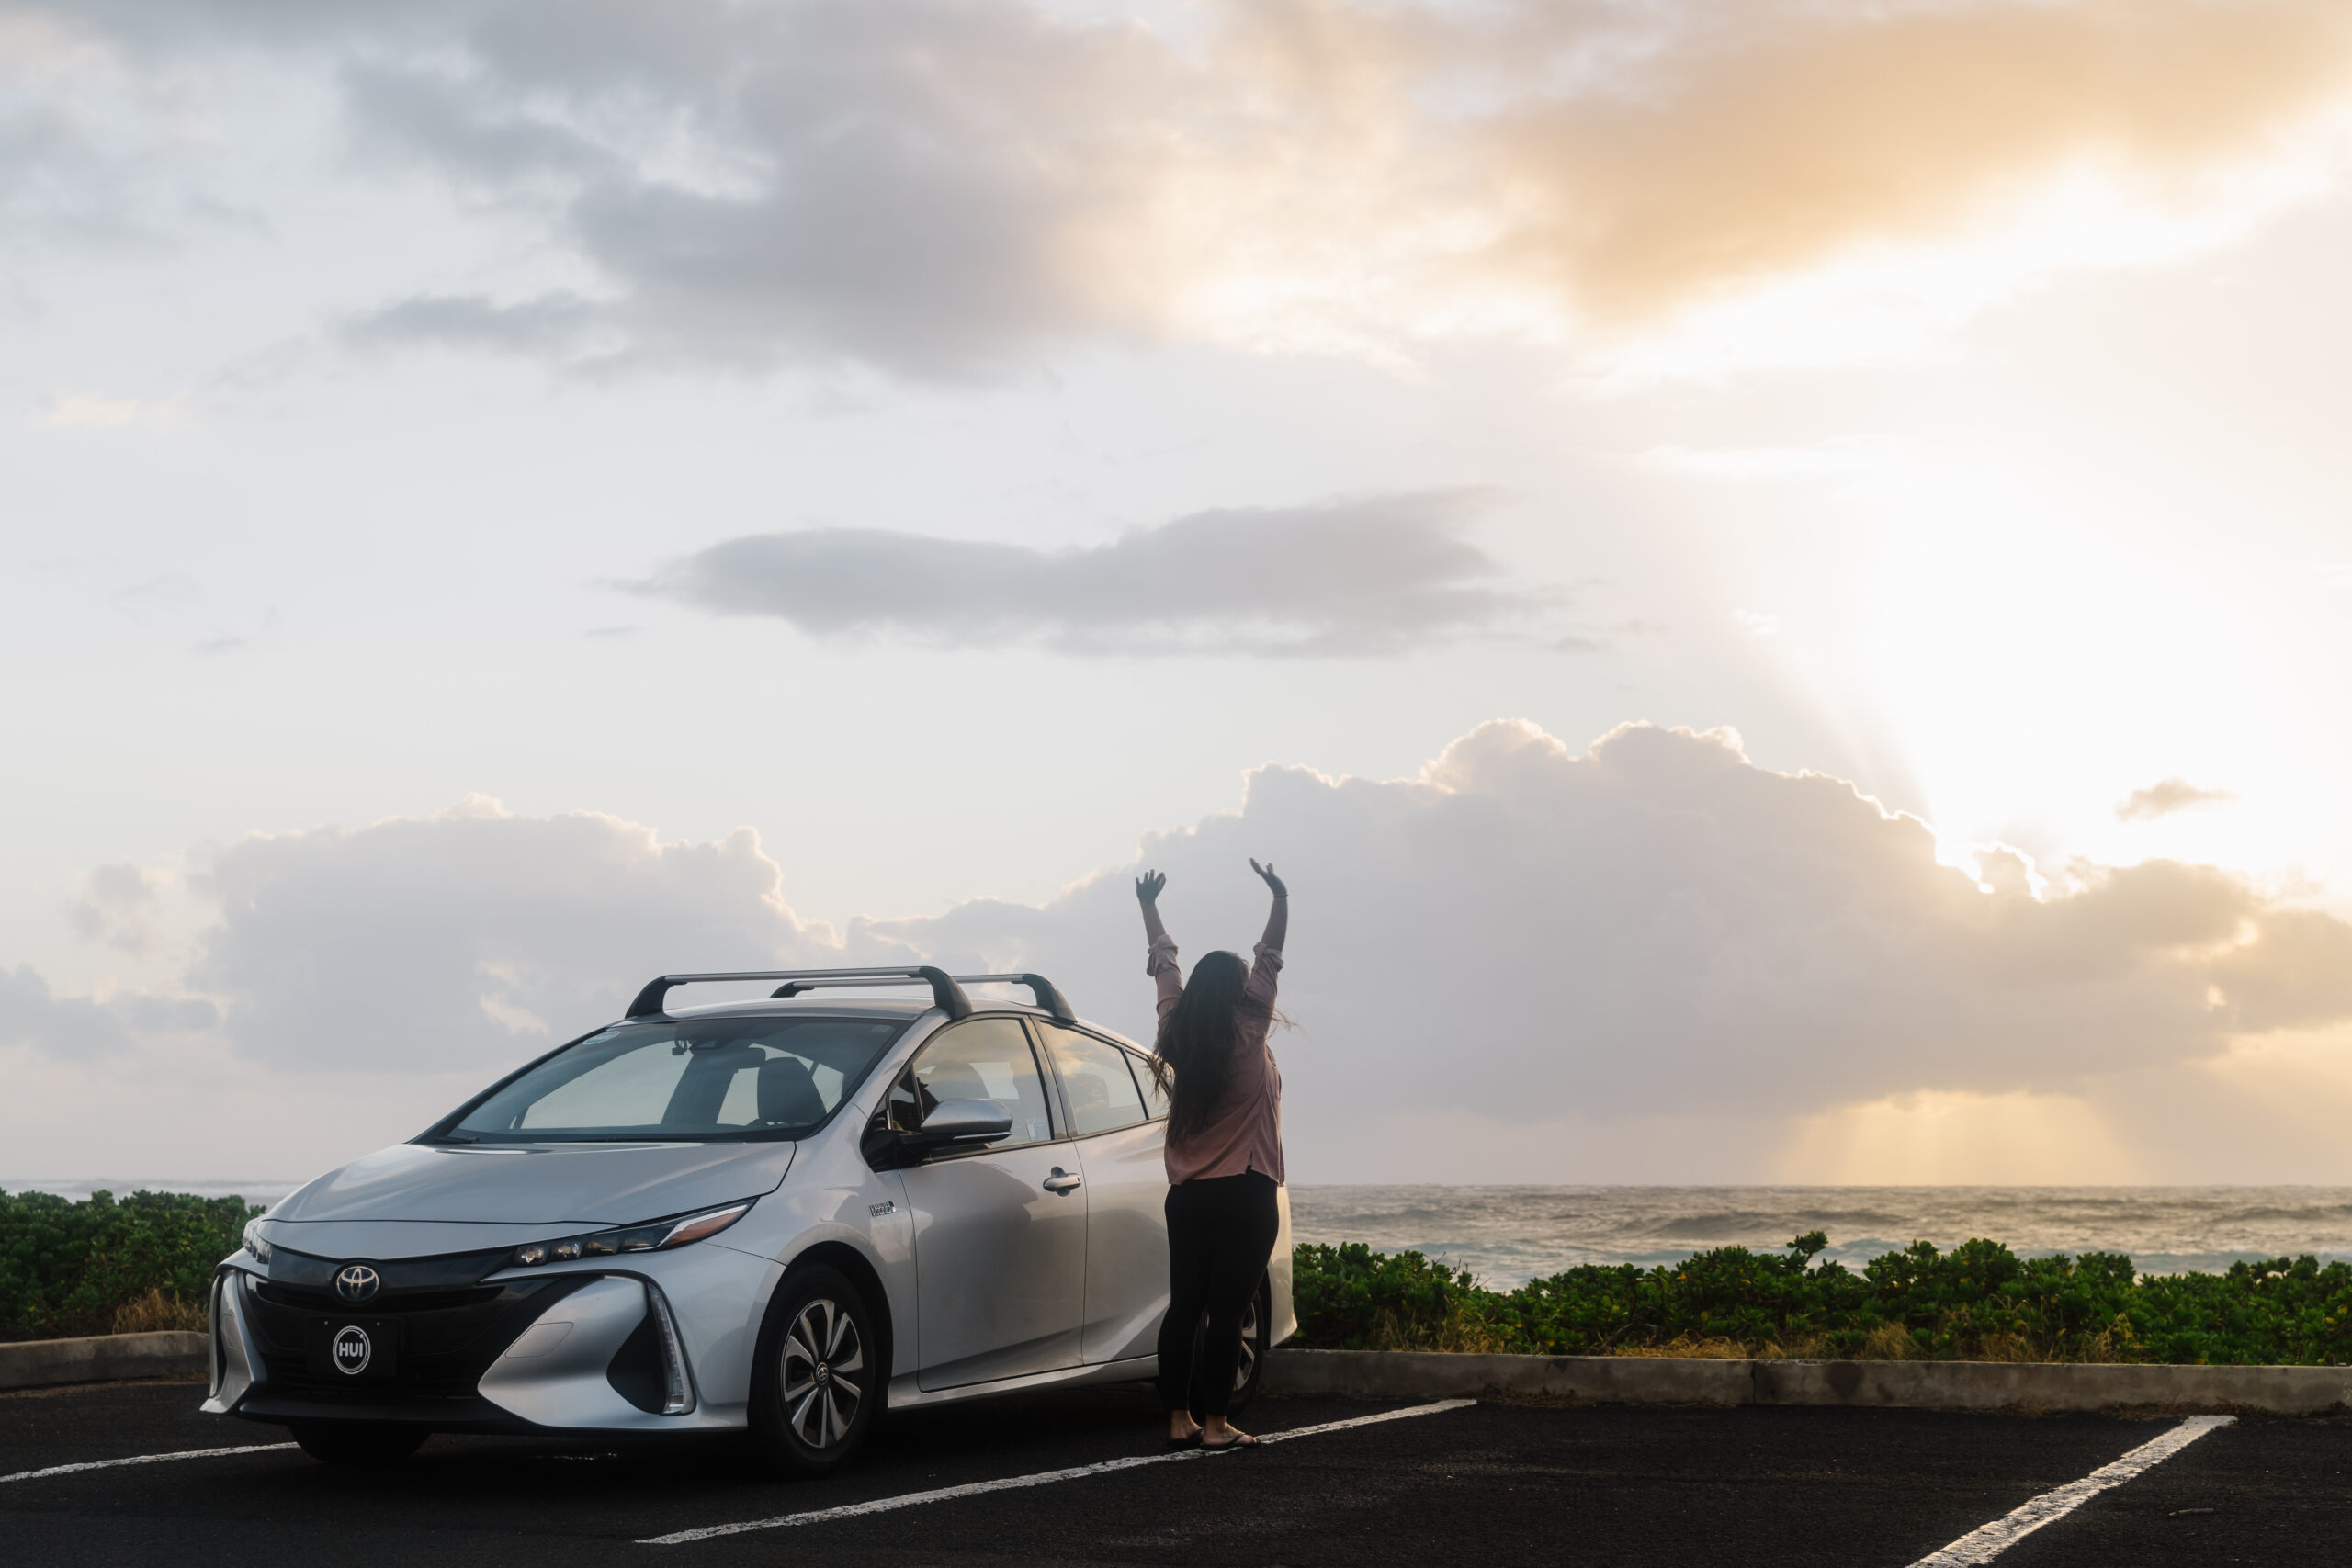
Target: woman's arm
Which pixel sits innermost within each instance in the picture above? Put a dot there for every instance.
(1159, 962)
(1260, 989)
(1277, 919)
(1147, 888)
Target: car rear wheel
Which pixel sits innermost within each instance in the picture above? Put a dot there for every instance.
(357, 1442)
(817, 1384)
(1257, 1328)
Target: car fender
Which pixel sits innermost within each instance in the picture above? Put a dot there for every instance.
(836, 1201)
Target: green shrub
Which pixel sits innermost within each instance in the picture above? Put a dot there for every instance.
(1978, 1301)
(1363, 1300)
(69, 1268)
(88, 1267)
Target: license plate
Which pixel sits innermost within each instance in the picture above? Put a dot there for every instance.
(362, 1348)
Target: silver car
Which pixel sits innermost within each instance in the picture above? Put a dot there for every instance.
(779, 1216)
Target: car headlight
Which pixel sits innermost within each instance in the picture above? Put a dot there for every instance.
(659, 1237)
(254, 1242)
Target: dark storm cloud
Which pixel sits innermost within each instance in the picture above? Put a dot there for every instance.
(1348, 577)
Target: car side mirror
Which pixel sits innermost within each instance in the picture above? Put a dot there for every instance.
(957, 1122)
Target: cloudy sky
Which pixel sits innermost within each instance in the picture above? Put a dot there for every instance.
(1776, 574)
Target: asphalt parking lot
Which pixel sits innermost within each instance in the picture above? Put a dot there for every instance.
(1485, 1485)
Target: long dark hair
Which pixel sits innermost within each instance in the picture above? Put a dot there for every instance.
(1192, 1060)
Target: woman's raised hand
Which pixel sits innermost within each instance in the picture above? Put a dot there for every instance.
(1147, 888)
(1273, 881)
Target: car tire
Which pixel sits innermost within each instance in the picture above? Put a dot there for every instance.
(817, 1380)
(1257, 1337)
(357, 1442)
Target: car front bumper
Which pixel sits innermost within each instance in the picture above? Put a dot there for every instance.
(654, 1349)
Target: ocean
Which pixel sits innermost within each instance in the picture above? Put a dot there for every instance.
(1509, 1235)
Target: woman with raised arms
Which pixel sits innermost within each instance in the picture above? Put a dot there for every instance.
(1224, 1153)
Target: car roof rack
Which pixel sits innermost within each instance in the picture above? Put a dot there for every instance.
(1048, 996)
(945, 994)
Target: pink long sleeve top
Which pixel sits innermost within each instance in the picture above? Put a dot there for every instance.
(1245, 1133)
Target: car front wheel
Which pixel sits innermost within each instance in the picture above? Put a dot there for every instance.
(817, 1384)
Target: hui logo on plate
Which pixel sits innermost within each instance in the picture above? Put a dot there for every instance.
(352, 1348)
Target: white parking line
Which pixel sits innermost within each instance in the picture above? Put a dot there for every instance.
(1042, 1477)
(1986, 1543)
(142, 1458)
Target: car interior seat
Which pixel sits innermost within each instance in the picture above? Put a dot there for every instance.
(789, 1096)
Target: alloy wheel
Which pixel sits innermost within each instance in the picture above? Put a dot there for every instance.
(821, 1371)
(1247, 1364)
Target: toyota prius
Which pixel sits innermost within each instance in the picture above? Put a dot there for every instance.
(779, 1217)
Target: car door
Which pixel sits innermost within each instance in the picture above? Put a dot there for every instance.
(1000, 1233)
(1118, 1147)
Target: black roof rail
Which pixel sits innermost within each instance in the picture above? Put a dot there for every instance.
(945, 994)
(1048, 996)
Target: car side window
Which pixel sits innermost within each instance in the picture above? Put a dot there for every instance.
(980, 1058)
(1154, 1102)
(1101, 1089)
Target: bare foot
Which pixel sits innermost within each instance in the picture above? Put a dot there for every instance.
(1182, 1428)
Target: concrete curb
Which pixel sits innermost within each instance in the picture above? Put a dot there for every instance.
(1902, 1386)
(105, 1358)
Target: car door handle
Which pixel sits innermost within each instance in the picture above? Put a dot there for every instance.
(1063, 1181)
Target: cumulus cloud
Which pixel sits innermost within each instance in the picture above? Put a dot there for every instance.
(1655, 925)
(940, 186)
(1520, 941)
(1357, 577)
(118, 906)
(2166, 796)
(79, 1026)
(57, 1026)
(1658, 926)
(471, 936)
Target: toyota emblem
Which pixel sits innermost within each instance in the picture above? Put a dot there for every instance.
(357, 1282)
(351, 1349)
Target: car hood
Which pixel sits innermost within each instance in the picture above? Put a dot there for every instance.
(534, 1185)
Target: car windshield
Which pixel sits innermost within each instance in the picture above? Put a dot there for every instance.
(698, 1078)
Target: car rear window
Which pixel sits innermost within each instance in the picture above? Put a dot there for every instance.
(694, 1078)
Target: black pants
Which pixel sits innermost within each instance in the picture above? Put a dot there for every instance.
(1220, 1232)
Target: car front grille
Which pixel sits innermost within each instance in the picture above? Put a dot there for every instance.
(447, 1339)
